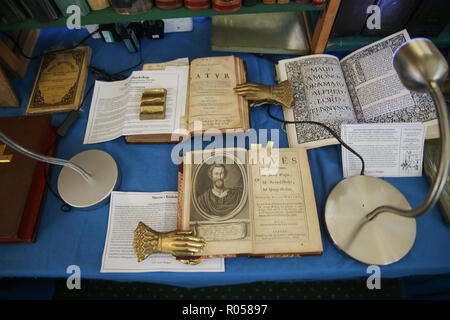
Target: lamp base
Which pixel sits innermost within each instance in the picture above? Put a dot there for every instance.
(83, 194)
(385, 239)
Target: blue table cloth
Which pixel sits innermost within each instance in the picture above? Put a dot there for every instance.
(78, 237)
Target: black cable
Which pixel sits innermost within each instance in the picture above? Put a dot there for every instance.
(51, 51)
(334, 134)
(135, 66)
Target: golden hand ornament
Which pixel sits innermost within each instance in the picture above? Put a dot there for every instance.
(258, 94)
(182, 245)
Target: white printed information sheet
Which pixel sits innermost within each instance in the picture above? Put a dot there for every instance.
(115, 106)
(388, 149)
(158, 210)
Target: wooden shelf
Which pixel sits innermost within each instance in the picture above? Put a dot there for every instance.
(108, 15)
(356, 42)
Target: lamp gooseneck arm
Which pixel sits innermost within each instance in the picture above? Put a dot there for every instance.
(42, 158)
(443, 166)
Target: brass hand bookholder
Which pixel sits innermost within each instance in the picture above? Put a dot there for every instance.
(182, 245)
(259, 94)
(368, 218)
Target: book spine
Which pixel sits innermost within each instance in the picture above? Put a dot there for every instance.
(269, 1)
(64, 4)
(429, 19)
(10, 13)
(42, 11)
(128, 7)
(249, 3)
(98, 4)
(318, 3)
(283, 1)
(197, 4)
(226, 6)
(393, 15)
(354, 11)
(168, 4)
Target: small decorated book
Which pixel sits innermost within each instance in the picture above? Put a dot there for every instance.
(247, 203)
(60, 81)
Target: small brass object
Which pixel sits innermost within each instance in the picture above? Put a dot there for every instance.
(182, 245)
(259, 94)
(153, 104)
(4, 158)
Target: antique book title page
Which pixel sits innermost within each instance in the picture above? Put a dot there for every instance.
(211, 97)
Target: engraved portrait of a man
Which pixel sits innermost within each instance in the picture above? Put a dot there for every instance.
(219, 200)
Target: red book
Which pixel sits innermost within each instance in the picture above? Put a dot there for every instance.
(318, 3)
(24, 188)
(197, 4)
(168, 4)
(226, 6)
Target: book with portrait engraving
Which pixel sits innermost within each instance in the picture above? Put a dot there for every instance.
(249, 202)
(362, 87)
(60, 81)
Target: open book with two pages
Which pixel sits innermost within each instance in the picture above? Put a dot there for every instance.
(363, 87)
(201, 92)
(249, 202)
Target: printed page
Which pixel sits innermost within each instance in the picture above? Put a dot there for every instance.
(320, 95)
(107, 111)
(376, 90)
(388, 149)
(158, 210)
(284, 208)
(115, 106)
(216, 202)
(211, 97)
(175, 82)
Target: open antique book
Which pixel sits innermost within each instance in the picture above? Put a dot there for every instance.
(243, 204)
(210, 99)
(199, 93)
(363, 87)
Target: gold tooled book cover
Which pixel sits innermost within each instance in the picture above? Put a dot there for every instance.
(60, 81)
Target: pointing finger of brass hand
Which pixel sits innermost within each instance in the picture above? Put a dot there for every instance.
(184, 244)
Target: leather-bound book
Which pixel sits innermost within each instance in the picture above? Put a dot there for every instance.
(98, 4)
(197, 4)
(22, 183)
(41, 10)
(393, 16)
(249, 3)
(64, 4)
(283, 1)
(168, 4)
(318, 3)
(226, 6)
(351, 18)
(10, 13)
(131, 6)
(429, 19)
(268, 1)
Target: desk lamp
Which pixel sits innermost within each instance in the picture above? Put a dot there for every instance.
(86, 181)
(368, 218)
